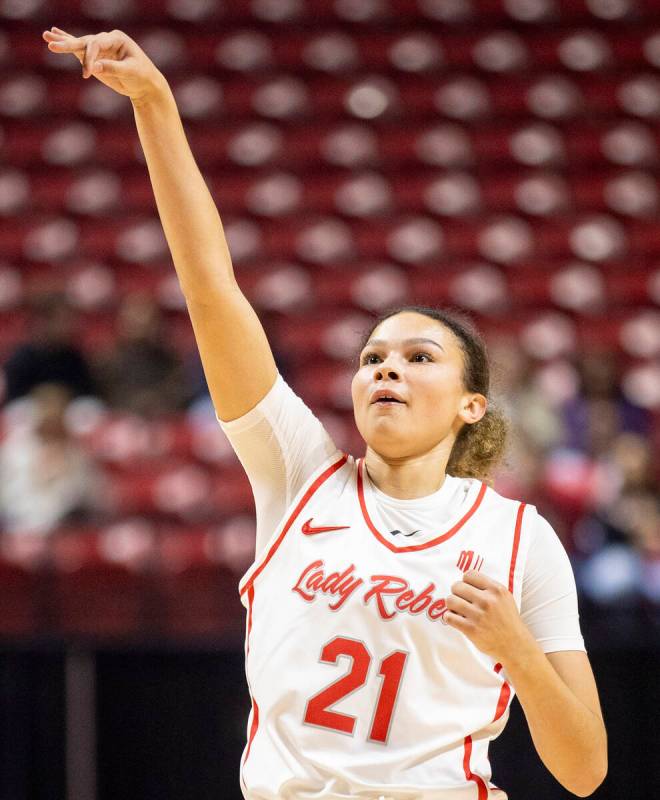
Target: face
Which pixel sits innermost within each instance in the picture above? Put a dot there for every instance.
(420, 362)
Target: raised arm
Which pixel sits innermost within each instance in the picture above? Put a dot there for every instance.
(235, 352)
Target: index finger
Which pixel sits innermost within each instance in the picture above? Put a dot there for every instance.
(59, 30)
(64, 43)
(479, 580)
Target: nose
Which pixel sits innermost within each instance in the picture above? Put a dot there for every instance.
(385, 370)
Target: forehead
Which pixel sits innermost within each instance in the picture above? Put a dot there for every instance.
(408, 325)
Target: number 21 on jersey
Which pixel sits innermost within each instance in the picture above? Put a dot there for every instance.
(318, 711)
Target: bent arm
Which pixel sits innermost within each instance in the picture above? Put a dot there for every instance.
(558, 694)
(556, 690)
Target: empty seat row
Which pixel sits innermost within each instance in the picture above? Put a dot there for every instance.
(124, 581)
(414, 50)
(577, 145)
(293, 288)
(448, 12)
(325, 239)
(286, 96)
(367, 193)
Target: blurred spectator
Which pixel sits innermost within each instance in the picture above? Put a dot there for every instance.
(46, 479)
(599, 410)
(142, 374)
(624, 470)
(625, 541)
(616, 541)
(602, 447)
(535, 417)
(51, 355)
(536, 425)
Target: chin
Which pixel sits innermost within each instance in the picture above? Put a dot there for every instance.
(394, 446)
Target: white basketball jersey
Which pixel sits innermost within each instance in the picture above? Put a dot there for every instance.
(359, 688)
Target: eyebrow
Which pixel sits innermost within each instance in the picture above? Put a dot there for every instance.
(381, 342)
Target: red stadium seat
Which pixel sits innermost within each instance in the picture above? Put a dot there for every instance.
(20, 612)
(196, 595)
(94, 591)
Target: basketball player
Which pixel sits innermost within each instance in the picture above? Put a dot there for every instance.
(396, 601)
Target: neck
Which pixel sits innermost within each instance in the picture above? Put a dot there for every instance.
(409, 477)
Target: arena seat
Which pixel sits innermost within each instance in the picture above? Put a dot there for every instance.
(94, 590)
(21, 604)
(196, 595)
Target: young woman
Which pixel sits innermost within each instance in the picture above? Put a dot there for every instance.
(396, 602)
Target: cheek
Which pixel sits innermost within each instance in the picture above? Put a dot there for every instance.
(441, 392)
(357, 389)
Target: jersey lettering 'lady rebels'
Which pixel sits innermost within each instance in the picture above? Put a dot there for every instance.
(313, 580)
(358, 688)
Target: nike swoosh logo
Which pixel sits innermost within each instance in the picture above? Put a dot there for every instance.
(309, 530)
(394, 533)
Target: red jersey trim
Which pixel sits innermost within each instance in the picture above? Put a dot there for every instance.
(303, 502)
(413, 547)
(516, 543)
(505, 691)
(481, 786)
(505, 695)
(255, 707)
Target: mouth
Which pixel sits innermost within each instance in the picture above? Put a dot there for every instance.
(383, 397)
(384, 405)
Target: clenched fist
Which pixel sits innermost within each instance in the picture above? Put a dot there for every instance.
(112, 57)
(485, 611)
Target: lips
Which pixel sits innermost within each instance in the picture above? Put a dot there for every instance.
(386, 395)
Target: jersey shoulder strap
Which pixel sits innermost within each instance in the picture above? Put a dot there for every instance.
(320, 478)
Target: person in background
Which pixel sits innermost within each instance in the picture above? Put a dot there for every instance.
(538, 420)
(617, 543)
(141, 373)
(51, 354)
(600, 408)
(46, 478)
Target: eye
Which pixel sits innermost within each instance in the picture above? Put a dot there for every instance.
(367, 356)
(423, 355)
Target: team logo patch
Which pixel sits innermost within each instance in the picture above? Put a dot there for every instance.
(309, 530)
(468, 559)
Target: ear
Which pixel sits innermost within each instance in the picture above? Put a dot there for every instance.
(473, 408)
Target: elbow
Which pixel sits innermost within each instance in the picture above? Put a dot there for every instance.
(588, 782)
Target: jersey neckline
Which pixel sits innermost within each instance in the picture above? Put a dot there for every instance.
(454, 525)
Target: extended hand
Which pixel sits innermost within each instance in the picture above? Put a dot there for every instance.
(114, 58)
(485, 611)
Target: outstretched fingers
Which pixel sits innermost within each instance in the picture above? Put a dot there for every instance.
(63, 42)
(86, 48)
(60, 42)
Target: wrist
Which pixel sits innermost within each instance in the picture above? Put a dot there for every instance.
(521, 654)
(157, 91)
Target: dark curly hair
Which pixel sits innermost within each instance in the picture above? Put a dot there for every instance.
(480, 446)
